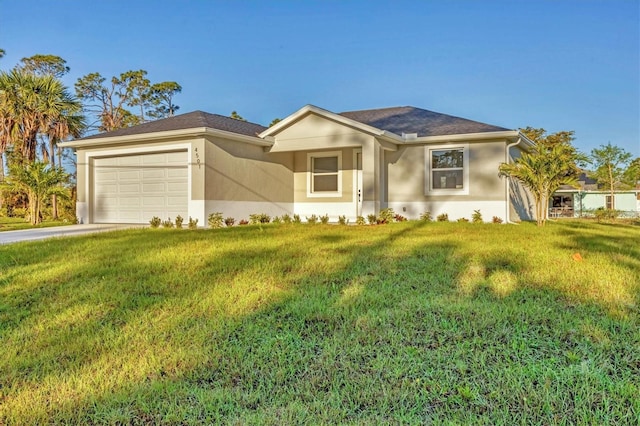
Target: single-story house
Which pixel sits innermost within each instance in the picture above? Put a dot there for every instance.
(583, 200)
(312, 162)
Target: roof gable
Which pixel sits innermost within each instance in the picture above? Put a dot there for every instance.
(191, 120)
(410, 119)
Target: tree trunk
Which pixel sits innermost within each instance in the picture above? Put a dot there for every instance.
(611, 183)
(52, 161)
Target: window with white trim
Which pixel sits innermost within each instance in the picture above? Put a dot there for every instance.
(447, 170)
(325, 178)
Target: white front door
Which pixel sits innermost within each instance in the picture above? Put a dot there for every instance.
(357, 159)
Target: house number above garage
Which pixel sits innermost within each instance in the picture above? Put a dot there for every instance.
(197, 158)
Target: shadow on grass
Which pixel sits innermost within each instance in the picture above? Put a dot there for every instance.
(260, 324)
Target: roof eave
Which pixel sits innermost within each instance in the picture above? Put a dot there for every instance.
(162, 136)
(462, 137)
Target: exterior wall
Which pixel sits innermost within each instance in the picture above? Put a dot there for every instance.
(522, 205)
(315, 134)
(242, 179)
(407, 194)
(624, 201)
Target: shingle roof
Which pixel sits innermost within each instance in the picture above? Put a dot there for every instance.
(189, 120)
(409, 119)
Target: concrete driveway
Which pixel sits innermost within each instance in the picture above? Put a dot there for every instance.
(7, 237)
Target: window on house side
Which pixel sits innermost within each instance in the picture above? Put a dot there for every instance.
(447, 170)
(324, 174)
(608, 201)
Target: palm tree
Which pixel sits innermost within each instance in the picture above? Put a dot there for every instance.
(32, 105)
(542, 171)
(37, 180)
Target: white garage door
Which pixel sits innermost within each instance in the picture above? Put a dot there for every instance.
(135, 188)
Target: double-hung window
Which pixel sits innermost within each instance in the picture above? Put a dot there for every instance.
(447, 170)
(325, 179)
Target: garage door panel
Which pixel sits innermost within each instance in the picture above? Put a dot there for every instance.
(155, 160)
(177, 173)
(133, 189)
(148, 201)
(130, 202)
(130, 216)
(130, 160)
(173, 187)
(175, 201)
(177, 158)
(154, 174)
(106, 175)
(157, 187)
(129, 188)
(107, 162)
(127, 174)
(108, 189)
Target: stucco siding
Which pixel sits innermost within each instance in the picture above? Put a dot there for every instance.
(623, 201)
(235, 171)
(313, 126)
(406, 170)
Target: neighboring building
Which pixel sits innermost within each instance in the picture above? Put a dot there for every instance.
(312, 162)
(584, 200)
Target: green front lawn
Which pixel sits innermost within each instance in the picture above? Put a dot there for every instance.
(16, 223)
(401, 323)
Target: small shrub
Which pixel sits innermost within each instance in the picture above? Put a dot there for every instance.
(179, 221)
(426, 217)
(296, 218)
(243, 222)
(385, 216)
(286, 219)
(496, 219)
(444, 217)
(193, 223)
(602, 214)
(360, 221)
(229, 221)
(463, 219)
(265, 218)
(155, 222)
(257, 218)
(399, 218)
(215, 220)
(167, 223)
(342, 220)
(476, 217)
(276, 219)
(372, 218)
(324, 219)
(313, 219)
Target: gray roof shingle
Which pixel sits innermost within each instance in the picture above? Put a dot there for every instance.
(410, 119)
(189, 120)
(397, 120)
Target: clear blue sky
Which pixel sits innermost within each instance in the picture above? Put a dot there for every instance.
(561, 65)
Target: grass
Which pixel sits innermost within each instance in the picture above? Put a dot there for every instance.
(16, 223)
(404, 323)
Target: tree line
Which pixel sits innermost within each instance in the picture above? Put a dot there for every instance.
(37, 111)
